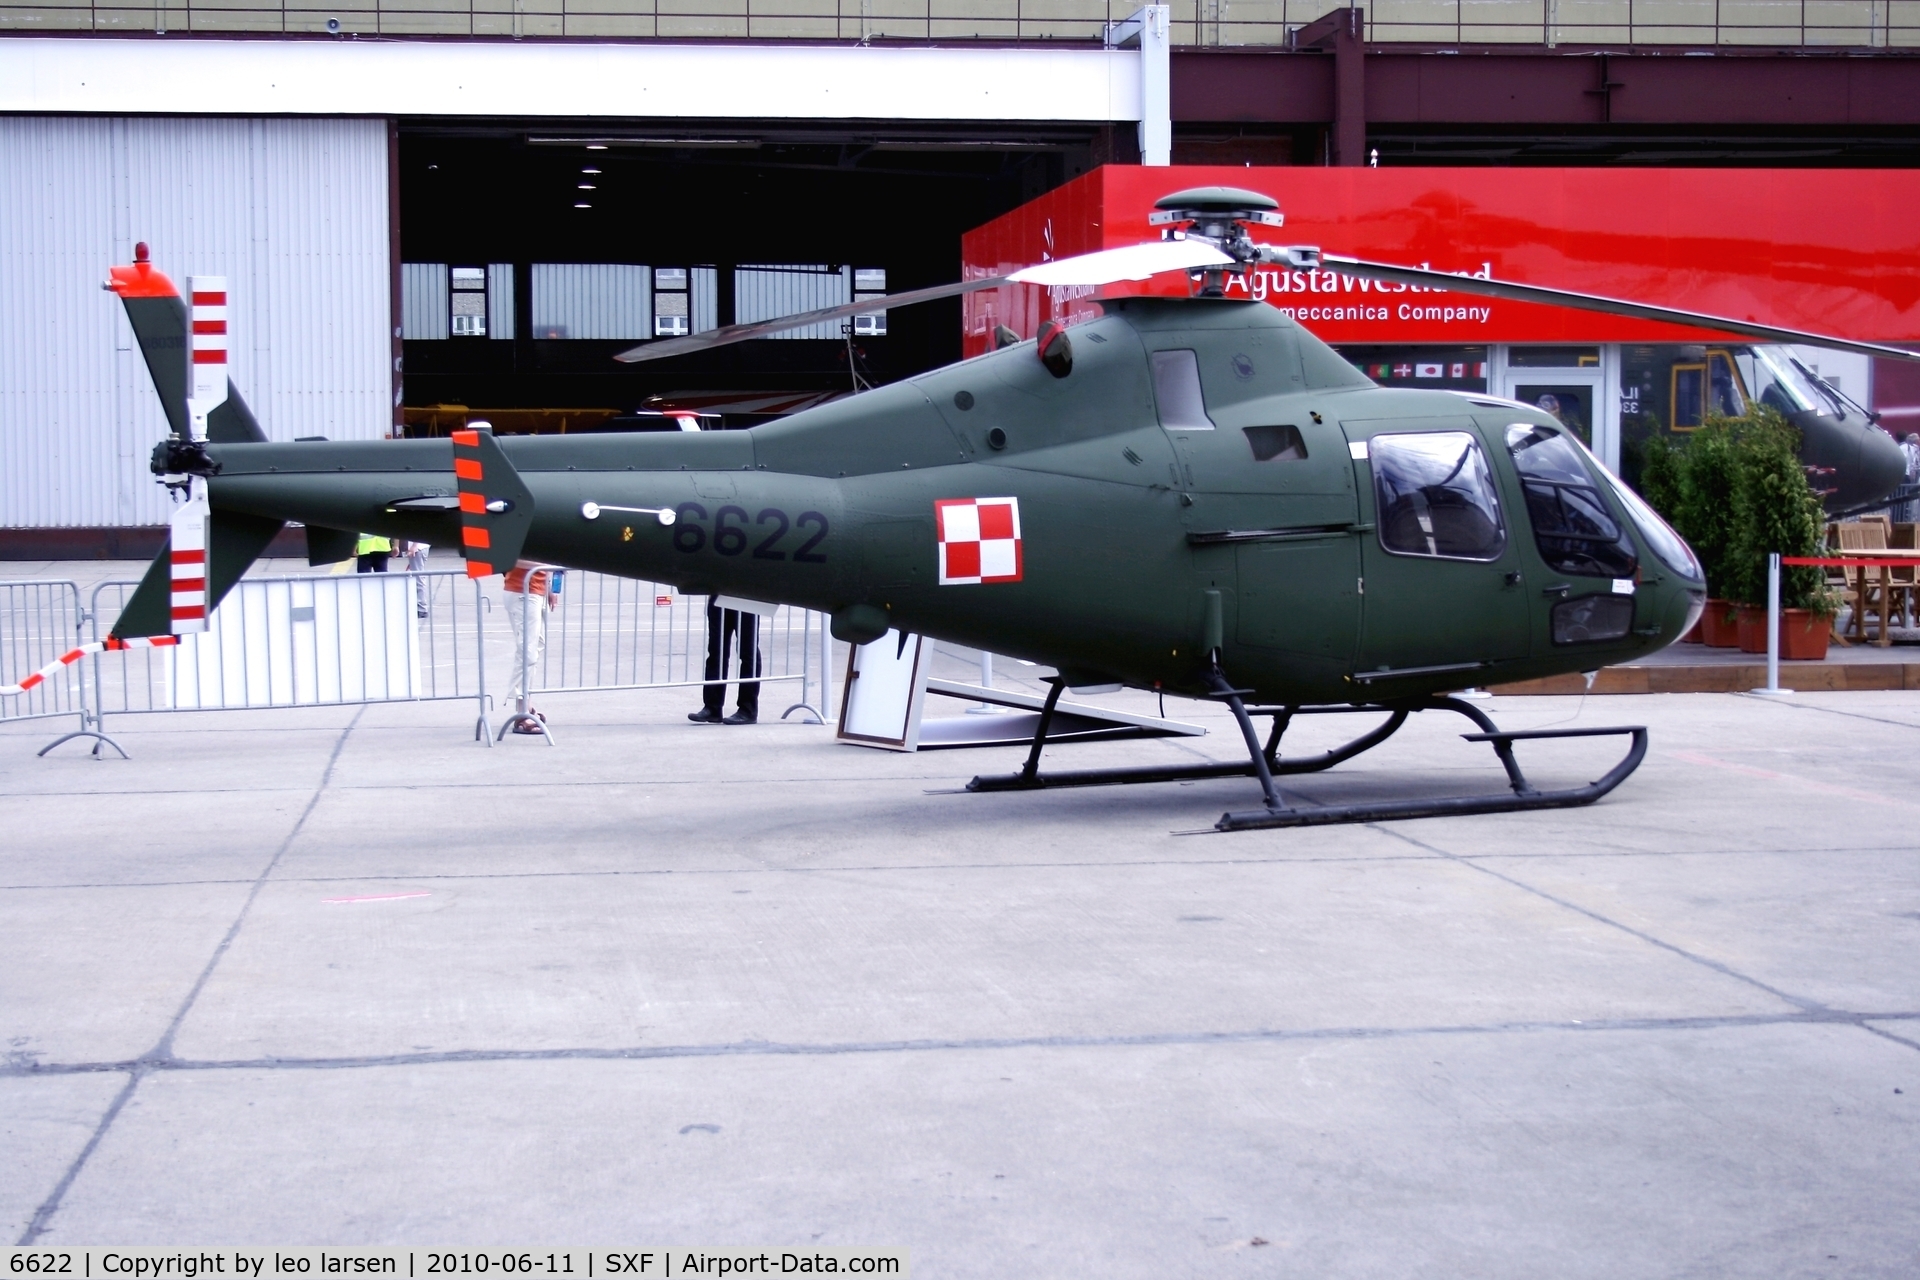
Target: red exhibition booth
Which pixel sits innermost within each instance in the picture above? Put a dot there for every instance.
(1831, 251)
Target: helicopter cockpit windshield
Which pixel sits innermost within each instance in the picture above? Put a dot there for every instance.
(1780, 380)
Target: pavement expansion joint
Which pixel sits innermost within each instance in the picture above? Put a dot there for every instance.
(145, 1066)
(161, 1055)
(1799, 1002)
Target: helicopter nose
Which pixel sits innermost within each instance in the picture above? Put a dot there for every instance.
(1865, 462)
(1883, 467)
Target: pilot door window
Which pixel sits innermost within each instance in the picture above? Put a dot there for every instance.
(467, 302)
(1435, 496)
(1176, 389)
(1572, 527)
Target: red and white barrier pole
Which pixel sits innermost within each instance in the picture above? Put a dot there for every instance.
(72, 656)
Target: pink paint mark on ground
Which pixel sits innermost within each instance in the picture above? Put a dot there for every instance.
(378, 897)
(1870, 797)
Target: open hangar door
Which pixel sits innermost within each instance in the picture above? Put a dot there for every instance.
(533, 253)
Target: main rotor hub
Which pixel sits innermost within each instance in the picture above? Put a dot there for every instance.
(1219, 216)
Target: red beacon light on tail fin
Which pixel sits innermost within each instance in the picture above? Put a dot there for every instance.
(139, 280)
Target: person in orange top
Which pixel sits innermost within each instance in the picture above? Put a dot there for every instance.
(539, 591)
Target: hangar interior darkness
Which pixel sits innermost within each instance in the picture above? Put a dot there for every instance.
(718, 196)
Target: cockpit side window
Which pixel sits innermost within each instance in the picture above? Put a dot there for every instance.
(1176, 389)
(1571, 524)
(1436, 497)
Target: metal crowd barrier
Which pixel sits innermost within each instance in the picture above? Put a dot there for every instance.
(609, 633)
(303, 641)
(40, 622)
(332, 640)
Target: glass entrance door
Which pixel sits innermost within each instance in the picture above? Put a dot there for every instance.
(1579, 386)
(1571, 396)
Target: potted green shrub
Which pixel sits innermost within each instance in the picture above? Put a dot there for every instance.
(1692, 486)
(1773, 508)
(1660, 484)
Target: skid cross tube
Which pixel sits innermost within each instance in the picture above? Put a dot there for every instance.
(1525, 796)
(1031, 779)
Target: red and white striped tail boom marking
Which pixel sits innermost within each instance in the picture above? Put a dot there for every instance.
(207, 349)
(187, 561)
(469, 475)
(67, 659)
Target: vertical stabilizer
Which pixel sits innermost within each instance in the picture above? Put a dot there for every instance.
(185, 343)
(160, 321)
(496, 510)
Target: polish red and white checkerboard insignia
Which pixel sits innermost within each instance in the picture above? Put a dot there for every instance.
(979, 540)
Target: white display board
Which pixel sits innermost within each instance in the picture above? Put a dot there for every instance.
(302, 642)
(885, 691)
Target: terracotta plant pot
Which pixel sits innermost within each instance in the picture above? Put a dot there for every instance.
(1693, 634)
(1717, 628)
(1804, 635)
(1750, 626)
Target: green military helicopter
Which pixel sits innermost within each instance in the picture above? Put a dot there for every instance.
(1194, 495)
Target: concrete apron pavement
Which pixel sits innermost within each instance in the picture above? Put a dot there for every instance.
(341, 976)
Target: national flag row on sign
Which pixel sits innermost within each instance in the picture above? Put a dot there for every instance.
(1428, 369)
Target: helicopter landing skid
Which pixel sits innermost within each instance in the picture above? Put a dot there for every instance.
(1265, 763)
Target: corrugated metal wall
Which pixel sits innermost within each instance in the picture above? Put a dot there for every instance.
(706, 299)
(423, 300)
(293, 212)
(500, 300)
(592, 300)
(766, 292)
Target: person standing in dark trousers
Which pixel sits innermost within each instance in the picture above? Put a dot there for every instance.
(371, 553)
(724, 626)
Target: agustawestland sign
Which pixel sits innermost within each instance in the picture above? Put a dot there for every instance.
(1833, 251)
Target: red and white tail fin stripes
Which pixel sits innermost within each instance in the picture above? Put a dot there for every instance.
(187, 560)
(207, 350)
(72, 656)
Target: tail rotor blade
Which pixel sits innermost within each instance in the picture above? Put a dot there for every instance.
(206, 351)
(187, 561)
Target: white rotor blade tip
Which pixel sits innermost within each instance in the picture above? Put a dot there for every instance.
(1134, 262)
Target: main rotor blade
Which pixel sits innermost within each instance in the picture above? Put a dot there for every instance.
(1131, 262)
(1513, 292)
(762, 328)
(1134, 262)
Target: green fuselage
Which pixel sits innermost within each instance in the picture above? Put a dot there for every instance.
(1126, 525)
